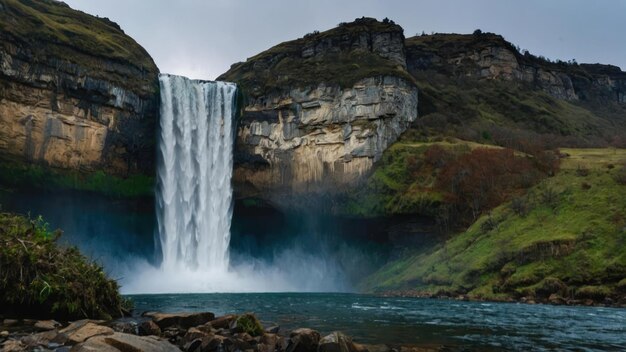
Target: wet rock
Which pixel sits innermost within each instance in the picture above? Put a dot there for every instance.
(268, 343)
(9, 322)
(193, 334)
(273, 329)
(303, 340)
(223, 322)
(556, 299)
(183, 320)
(125, 326)
(13, 346)
(212, 343)
(126, 343)
(372, 348)
(193, 346)
(44, 325)
(75, 325)
(336, 342)
(87, 331)
(39, 339)
(148, 327)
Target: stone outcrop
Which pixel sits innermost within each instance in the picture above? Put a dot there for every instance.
(322, 136)
(319, 111)
(75, 91)
(490, 56)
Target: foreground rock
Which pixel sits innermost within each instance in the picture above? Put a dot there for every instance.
(181, 320)
(125, 342)
(192, 332)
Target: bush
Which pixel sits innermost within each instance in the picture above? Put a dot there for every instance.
(40, 279)
(485, 178)
(250, 324)
(620, 177)
(520, 206)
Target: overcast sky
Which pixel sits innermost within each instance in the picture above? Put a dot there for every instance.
(202, 38)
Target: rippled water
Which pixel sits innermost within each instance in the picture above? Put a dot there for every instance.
(464, 325)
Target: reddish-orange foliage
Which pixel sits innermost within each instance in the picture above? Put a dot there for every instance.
(484, 178)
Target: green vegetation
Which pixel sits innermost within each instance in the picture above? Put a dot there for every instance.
(565, 236)
(283, 66)
(56, 23)
(250, 324)
(29, 176)
(41, 279)
(54, 31)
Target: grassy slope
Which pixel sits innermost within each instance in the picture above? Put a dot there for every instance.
(572, 242)
(52, 22)
(401, 182)
(40, 279)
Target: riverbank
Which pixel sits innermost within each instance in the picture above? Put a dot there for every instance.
(193, 332)
(553, 299)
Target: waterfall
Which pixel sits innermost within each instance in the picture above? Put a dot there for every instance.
(194, 192)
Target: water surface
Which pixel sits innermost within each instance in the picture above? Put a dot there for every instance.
(370, 319)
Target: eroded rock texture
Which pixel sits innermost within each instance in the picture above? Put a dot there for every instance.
(75, 91)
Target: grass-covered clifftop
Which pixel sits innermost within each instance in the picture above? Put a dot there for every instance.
(55, 23)
(39, 278)
(565, 236)
(342, 55)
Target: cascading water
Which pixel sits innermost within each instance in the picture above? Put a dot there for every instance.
(194, 206)
(194, 193)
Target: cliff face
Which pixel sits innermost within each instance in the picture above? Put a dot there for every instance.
(320, 110)
(489, 56)
(75, 91)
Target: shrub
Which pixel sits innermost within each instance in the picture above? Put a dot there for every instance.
(485, 178)
(520, 206)
(582, 171)
(620, 176)
(40, 279)
(250, 324)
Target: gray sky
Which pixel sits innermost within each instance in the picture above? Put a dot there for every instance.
(202, 38)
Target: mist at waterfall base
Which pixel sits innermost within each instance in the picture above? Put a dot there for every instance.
(194, 199)
(197, 248)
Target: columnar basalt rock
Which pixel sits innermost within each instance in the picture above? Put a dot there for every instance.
(67, 100)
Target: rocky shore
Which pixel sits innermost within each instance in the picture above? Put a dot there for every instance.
(553, 299)
(163, 332)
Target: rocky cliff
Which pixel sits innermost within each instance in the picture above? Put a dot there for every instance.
(320, 110)
(490, 56)
(75, 91)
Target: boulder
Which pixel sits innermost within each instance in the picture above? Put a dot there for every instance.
(13, 346)
(556, 299)
(193, 334)
(223, 322)
(372, 348)
(9, 322)
(183, 320)
(41, 339)
(118, 341)
(212, 342)
(45, 325)
(87, 331)
(148, 327)
(303, 340)
(75, 325)
(125, 326)
(273, 329)
(336, 342)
